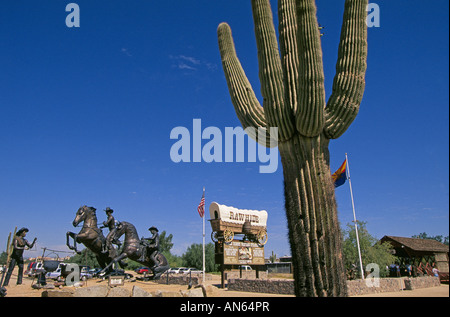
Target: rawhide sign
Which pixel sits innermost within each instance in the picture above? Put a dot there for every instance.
(238, 216)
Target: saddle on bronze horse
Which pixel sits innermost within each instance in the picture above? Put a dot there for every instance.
(146, 248)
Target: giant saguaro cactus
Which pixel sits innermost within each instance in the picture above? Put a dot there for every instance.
(292, 86)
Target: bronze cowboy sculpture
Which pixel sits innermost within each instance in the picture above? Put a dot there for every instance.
(135, 249)
(91, 236)
(19, 245)
(111, 224)
(151, 246)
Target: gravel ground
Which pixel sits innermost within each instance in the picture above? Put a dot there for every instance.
(25, 289)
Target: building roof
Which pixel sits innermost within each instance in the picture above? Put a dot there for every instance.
(418, 245)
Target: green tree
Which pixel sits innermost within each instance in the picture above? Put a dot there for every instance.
(173, 259)
(440, 238)
(294, 104)
(3, 258)
(193, 257)
(371, 250)
(165, 242)
(86, 257)
(165, 245)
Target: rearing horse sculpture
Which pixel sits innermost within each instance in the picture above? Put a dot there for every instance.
(132, 248)
(91, 236)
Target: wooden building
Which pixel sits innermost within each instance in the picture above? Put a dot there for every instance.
(421, 253)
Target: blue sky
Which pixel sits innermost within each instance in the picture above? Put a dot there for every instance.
(86, 115)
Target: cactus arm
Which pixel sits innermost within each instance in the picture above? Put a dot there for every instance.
(348, 85)
(311, 95)
(270, 70)
(247, 107)
(8, 246)
(288, 47)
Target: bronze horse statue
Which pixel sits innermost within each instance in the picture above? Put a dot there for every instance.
(133, 247)
(91, 236)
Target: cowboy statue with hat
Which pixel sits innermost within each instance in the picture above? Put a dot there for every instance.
(111, 224)
(19, 245)
(151, 245)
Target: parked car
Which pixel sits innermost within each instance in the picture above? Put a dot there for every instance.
(29, 268)
(84, 272)
(191, 270)
(174, 270)
(122, 272)
(142, 270)
(246, 268)
(95, 271)
(35, 268)
(54, 275)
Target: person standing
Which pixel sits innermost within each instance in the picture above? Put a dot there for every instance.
(19, 245)
(409, 269)
(435, 270)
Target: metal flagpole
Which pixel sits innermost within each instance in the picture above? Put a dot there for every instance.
(204, 238)
(354, 217)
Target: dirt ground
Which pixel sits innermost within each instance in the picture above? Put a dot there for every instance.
(25, 289)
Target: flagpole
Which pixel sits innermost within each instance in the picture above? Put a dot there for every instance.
(204, 279)
(354, 217)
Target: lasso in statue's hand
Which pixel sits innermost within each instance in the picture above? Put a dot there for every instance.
(32, 244)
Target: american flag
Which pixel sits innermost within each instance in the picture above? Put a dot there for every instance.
(201, 206)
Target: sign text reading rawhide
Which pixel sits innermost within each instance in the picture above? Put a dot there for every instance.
(243, 217)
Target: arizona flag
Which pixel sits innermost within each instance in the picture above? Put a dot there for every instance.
(340, 175)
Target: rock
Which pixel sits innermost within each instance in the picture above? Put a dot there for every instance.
(49, 286)
(92, 291)
(208, 290)
(59, 284)
(167, 294)
(196, 292)
(57, 293)
(119, 292)
(139, 292)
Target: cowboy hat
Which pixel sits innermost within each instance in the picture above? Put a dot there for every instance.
(21, 230)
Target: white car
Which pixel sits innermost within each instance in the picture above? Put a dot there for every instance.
(191, 270)
(54, 275)
(175, 270)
